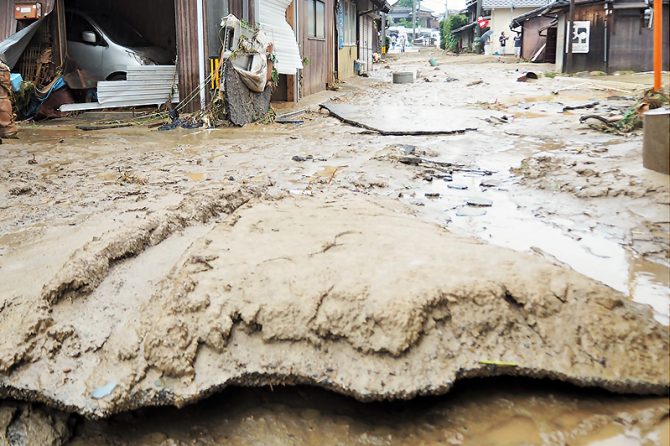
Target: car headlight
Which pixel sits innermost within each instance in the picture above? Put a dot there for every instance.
(142, 60)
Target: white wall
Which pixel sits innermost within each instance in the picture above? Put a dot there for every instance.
(500, 20)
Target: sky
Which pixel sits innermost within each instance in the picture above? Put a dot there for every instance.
(438, 5)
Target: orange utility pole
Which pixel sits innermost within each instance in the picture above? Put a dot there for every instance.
(658, 44)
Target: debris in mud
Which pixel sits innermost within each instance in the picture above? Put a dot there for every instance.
(473, 83)
(527, 76)
(445, 167)
(580, 106)
(127, 177)
(457, 186)
(581, 178)
(21, 189)
(432, 195)
(631, 119)
(479, 202)
(302, 159)
(32, 160)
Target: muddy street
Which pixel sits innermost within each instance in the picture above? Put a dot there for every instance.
(454, 261)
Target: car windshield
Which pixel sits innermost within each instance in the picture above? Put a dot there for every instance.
(119, 31)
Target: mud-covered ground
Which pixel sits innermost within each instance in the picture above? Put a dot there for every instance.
(145, 268)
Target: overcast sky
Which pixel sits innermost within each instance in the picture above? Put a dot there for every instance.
(438, 5)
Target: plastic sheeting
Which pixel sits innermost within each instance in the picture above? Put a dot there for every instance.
(272, 20)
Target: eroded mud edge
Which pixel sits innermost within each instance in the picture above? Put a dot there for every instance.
(254, 379)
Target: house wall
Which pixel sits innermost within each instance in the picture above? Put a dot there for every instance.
(345, 62)
(320, 52)
(594, 60)
(7, 21)
(500, 20)
(532, 41)
(347, 54)
(632, 43)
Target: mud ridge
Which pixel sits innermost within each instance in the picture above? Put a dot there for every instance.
(88, 266)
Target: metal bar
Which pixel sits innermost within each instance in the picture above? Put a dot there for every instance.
(201, 55)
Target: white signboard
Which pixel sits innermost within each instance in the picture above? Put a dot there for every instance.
(581, 35)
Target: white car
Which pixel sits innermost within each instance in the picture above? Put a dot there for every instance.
(103, 46)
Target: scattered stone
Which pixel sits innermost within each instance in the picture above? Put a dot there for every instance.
(489, 183)
(470, 212)
(457, 186)
(432, 195)
(302, 159)
(479, 202)
(22, 189)
(408, 149)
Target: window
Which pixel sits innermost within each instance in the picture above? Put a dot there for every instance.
(76, 26)
(316, 19)
(349, 25)
(216, 10)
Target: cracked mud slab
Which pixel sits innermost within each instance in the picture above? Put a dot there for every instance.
(338, 291)
(394, 120)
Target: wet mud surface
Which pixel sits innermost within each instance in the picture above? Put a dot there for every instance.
(142, 268)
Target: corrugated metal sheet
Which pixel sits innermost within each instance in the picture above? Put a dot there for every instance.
(272, 20)
(150, 85)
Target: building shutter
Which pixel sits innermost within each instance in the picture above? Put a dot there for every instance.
(272, 20)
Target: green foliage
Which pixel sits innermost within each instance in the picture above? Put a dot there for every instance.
(447, 41)
(405, 3)
(405, 23)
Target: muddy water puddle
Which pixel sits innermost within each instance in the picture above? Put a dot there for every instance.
(491, 214)
(502, 411)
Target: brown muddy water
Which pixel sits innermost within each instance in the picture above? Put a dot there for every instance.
(500, 411)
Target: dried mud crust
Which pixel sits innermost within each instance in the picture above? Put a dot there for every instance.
(344, 292)
(585, 178)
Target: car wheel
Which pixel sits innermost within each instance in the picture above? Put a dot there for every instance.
(117, 77)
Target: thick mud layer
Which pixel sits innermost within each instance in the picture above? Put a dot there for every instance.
(334, 280)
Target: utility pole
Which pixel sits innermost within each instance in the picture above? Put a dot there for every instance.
(571, 32)
(658, 44)
(413, 20)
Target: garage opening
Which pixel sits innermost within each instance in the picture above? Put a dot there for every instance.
(119, 40)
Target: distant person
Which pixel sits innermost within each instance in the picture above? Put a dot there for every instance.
(394, 41)
(503, 42)
(402, 44)
(517, 46)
